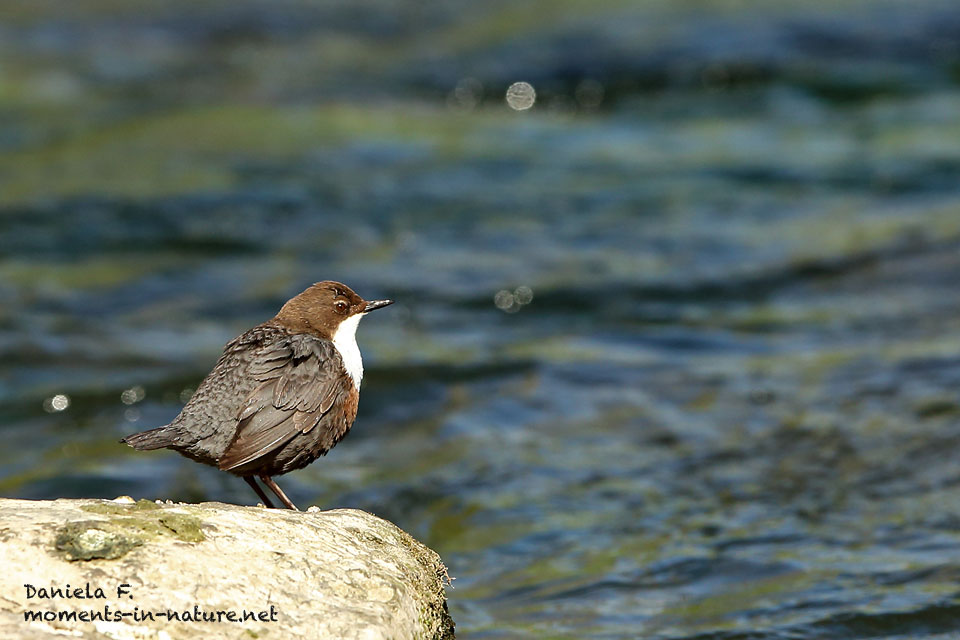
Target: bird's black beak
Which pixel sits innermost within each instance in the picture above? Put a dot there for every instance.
(376, 304)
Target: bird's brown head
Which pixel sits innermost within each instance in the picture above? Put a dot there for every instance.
(323, 307)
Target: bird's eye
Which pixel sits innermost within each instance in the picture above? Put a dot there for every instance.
(341, 306)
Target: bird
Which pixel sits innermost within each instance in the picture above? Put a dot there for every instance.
(282, 394)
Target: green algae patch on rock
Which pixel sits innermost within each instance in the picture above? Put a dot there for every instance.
(115, 509)
(183, 526)
(127, 526)
(92, 540)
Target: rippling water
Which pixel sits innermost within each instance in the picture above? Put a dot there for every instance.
(730, 405)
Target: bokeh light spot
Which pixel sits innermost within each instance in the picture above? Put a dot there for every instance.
(56, 403)
(521, 96)
(505, 301)
(133, 395)
(511, 301)
(523, 294)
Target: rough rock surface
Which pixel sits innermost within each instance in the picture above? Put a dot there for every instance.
(319, 574)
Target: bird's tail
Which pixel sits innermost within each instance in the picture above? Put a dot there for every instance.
(153, 439)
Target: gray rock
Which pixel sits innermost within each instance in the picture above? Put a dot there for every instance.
(96, 568)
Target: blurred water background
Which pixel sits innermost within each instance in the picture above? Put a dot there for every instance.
(676, 352)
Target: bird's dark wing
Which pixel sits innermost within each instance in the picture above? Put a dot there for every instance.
(299, 379)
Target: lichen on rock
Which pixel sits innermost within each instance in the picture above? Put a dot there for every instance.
(91, 540)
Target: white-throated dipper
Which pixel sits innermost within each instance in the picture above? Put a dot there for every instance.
(281, 395)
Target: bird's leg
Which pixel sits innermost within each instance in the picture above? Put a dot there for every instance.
(256, 487)
(267, 480)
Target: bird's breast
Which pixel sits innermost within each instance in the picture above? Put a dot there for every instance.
(350, 405)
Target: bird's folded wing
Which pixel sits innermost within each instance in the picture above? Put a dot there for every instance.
(300, 378)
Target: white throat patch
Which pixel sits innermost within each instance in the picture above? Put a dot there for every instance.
(345, 340)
